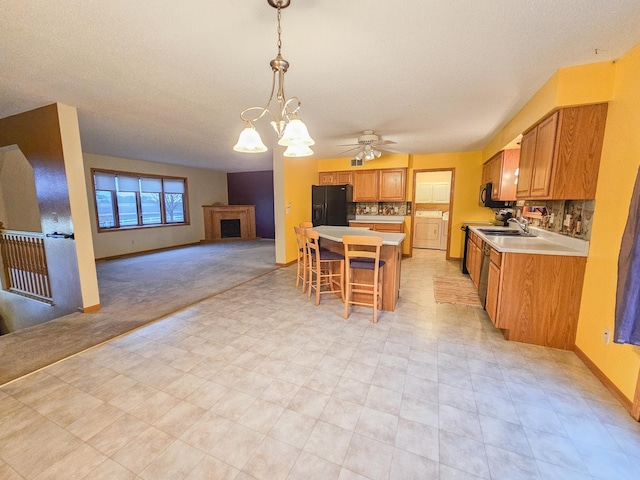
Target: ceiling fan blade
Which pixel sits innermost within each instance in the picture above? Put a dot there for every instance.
(346, 151)
(348, 145)
(392, 150)
(386, 142)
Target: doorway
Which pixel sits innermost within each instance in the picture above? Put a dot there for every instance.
(432, 209)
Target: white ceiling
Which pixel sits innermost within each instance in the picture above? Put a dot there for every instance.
(166, 80)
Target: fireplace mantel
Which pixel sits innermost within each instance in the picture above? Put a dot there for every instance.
(214, 213)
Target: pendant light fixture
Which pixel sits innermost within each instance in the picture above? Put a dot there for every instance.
(292, 132)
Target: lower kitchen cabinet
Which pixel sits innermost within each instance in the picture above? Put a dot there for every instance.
(475, 251)
(536, 298)
(380, 227)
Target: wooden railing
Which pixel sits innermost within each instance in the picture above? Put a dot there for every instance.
(24, 262)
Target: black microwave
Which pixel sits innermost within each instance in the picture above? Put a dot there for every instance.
(485, 198)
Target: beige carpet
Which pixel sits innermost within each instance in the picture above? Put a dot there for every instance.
(455, 290)
(135, 291)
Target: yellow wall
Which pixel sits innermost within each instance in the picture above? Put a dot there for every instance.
(616, 83)
(579, 85)
(299, 175)
(618, 170)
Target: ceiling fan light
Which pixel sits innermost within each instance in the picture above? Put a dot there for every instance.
(298, 151)
(360, 155)
(296, 133)
(369, 156)
(377, 153)
(249, 141)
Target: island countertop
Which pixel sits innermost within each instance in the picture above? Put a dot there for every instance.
(336, 233)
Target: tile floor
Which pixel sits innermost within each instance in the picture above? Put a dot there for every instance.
(258, 383)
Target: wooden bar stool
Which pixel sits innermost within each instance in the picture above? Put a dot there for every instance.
(306, 224)
(301, 273)
(325, 268)
(363, 253)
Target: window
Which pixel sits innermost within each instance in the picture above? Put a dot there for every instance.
(130, 200)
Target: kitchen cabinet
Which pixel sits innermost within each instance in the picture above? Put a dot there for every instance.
(327, 178)
(335, 178)
(365, 186)
(392, 185)
(475, 251)
(386, 185)
(500, 170)
(493, 284)
(560, 155)
(434, 192)
(536, 298)
(380, 227)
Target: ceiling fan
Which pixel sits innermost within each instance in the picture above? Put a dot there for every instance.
(369, 147)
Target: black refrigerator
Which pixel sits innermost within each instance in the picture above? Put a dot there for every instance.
(332, 205)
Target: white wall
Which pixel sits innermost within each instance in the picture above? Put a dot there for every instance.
(205, 188)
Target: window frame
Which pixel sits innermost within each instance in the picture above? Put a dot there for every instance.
(138, 195)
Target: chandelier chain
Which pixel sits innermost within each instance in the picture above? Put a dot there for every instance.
(279, 30)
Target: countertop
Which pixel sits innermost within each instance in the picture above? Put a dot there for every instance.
(396, 219)
(335, 234)
(544, 243)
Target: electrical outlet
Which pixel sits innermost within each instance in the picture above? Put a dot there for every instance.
(606, 336)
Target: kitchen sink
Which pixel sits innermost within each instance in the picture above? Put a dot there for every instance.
(505, 232)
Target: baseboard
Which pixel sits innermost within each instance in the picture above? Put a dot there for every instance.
(144, 252)
(286, 264)
(90, 308)
(615, 391)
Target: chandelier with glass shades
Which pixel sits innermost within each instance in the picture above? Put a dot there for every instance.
(292, 132)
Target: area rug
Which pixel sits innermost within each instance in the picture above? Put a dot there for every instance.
(459, 291)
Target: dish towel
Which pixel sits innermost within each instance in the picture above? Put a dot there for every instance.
(627, 322)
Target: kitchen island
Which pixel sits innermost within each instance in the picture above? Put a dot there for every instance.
(391, 253)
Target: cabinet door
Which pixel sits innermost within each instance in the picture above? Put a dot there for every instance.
(365, 186)
(424, 193)
(492, 172)
(344, 178)
(493, 286)
(389, 227)
(370, 226)
(543, 163)
(327, 178)
(441, 192)
(527, 157)
(510, 160)
(392, 185)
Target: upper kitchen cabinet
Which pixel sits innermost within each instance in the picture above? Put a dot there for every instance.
(560, 156)
(343, 178)
(327, 178)
(387, 185)
(365, 185)
(500, 170)
(392, 185)
(335, 178)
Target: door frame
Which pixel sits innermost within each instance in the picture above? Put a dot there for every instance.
(413, 203)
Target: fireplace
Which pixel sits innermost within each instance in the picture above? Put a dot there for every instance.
(230, 228)
(229, 222)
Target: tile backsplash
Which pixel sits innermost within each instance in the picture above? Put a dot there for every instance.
(383, 208)
(567, 217)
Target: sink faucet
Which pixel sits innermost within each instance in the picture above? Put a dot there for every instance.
(524, 225)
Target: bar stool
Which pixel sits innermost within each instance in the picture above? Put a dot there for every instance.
(363, 253)
(325, 268)
(301, 273)
(306, 224)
